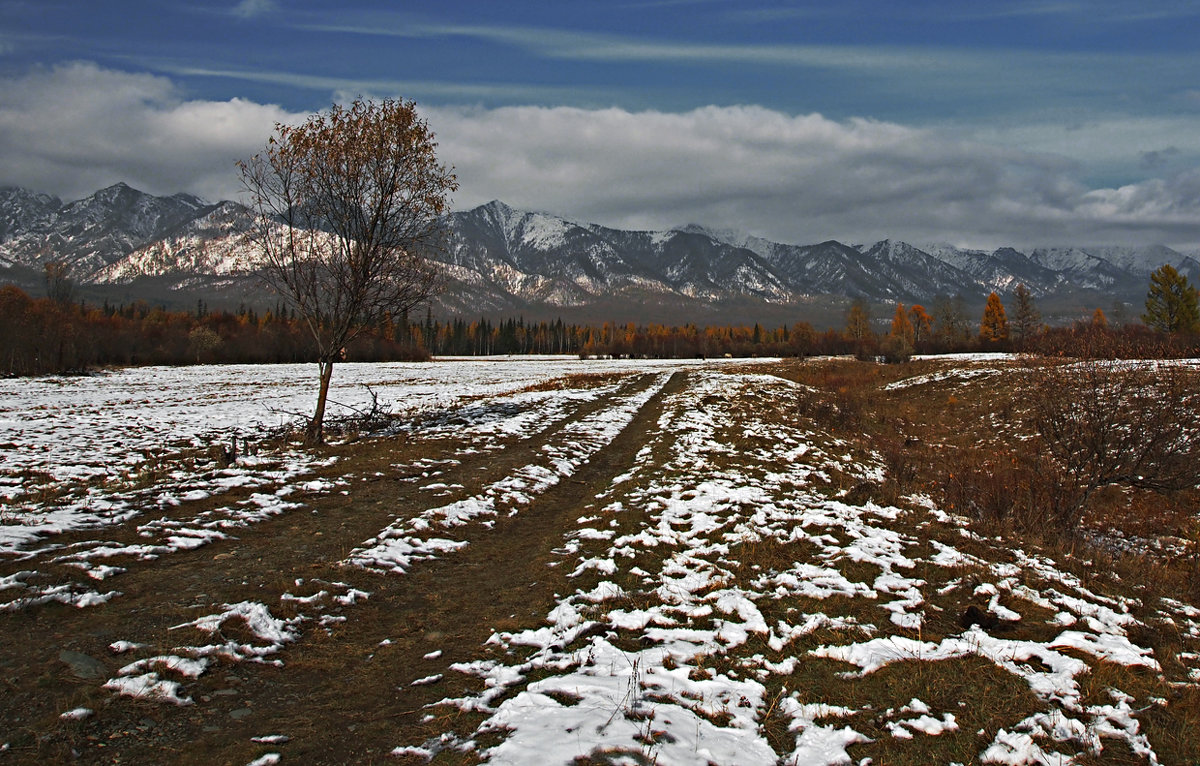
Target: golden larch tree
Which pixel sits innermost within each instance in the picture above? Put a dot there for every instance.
(993, 328)
(921, 322)
(902, 326)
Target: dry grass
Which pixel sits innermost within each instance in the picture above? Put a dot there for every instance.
(578, 381)
(959, 442)
(968, 445)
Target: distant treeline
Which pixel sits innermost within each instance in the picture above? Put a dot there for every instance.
(40, 336)
(43, 336)
(46, 336)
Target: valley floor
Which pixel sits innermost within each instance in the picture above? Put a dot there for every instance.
(554, 562)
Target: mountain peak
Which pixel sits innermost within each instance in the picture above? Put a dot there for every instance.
(524, 257)
(497, 205)
(119, 189)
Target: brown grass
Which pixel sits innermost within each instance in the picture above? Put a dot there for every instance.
(582, 380)
(959, 443)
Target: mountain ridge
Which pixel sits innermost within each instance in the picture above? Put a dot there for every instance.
(501, 257)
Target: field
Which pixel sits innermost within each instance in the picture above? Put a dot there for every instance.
(561, 561)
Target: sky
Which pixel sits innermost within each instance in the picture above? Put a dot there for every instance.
(1028, 122)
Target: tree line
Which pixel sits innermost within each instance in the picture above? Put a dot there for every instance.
(46, 336)
(1170, 328)
(55, 335)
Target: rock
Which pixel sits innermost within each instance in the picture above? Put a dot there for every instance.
(976, 616)
(240, 713)
(83, 666)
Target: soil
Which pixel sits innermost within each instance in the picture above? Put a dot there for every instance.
(342, 695)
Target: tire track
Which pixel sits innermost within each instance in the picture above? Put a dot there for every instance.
(263, 565)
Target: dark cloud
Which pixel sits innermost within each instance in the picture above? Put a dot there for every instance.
(1158, 158)
(799, 178)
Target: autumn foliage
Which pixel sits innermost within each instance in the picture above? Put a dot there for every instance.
(993, 328)
(349, 205)
(44, 336)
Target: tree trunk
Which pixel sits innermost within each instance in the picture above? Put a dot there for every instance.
(316, 426)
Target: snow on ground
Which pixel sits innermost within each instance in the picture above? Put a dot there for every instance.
(957, 374)
(404, 542)
(108, 429)
(83, 427)
(695, 690)
(666, 649)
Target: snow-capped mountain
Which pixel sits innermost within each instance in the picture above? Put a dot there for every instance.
(89, 234)
(555, 260)
(500, 258)
(213, 243)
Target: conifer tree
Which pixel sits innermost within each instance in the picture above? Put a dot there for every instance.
(902, 326)
(1171, 303)
(1026, 319)
(993, 328)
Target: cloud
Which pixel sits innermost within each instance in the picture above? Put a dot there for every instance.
(799, 178)
(573, 45)
(1112, 141)
(75, 128)
(804, 178)
(1157, 158)
(357, 86)
(248, 9)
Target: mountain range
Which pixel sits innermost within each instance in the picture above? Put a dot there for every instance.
(501, 259)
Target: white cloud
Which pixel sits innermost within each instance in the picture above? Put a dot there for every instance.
(800, 178)
(796, 178)
(247, 9)
(73, 129)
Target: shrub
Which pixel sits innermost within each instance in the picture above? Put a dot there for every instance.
(895, 349)
(1101, 423)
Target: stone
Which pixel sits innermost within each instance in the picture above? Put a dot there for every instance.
(82, 665)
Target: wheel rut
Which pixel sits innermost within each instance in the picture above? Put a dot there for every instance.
(345, 692)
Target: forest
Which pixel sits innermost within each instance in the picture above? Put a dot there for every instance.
(54, 336)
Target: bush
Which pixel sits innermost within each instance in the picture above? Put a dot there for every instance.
(1101, 423)
(895, 349)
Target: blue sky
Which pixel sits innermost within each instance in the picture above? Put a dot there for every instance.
(1054, 122)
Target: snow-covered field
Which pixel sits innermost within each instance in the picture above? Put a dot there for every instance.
(81, 427)
(720, 596)
(88, 432)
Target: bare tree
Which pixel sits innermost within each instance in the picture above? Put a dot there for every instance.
(349, 205)
(950, 316)
(59, 287)
(1027, 320)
